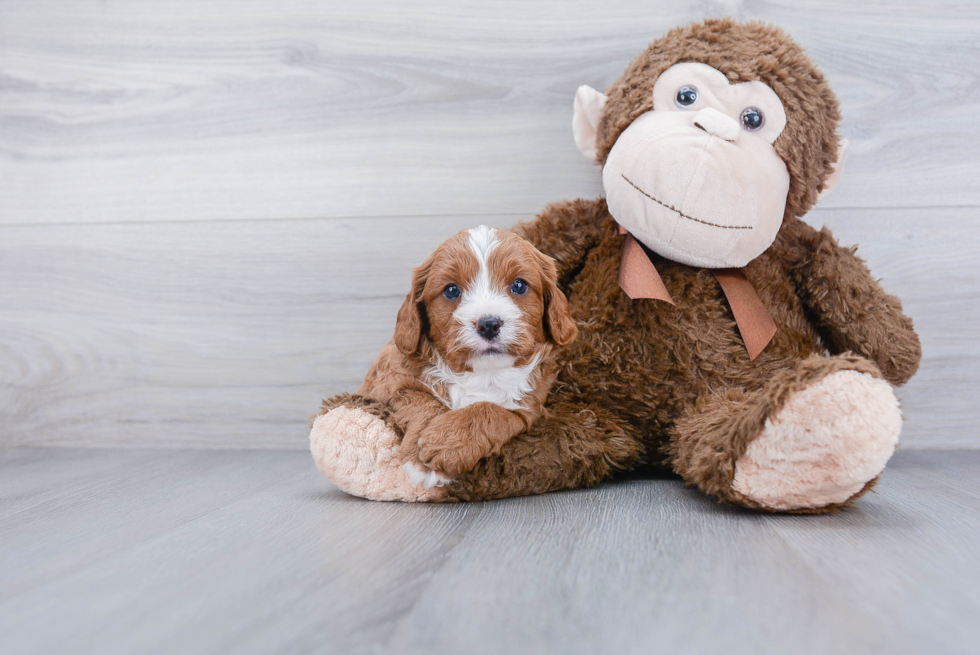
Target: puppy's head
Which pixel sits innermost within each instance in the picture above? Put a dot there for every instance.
(483, 294)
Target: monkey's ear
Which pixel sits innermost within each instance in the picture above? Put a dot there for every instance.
(588, 108)
(834, 178)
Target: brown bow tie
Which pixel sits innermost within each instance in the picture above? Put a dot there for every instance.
(639, 278)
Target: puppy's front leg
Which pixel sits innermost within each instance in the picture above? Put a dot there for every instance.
(414, 411)
(454, 442)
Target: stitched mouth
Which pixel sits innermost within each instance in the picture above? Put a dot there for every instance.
(682, 214)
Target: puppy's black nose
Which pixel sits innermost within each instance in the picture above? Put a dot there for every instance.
(489, 327)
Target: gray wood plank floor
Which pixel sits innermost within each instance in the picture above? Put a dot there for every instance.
(123, 551)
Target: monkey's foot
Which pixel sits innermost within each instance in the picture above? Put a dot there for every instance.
(359, 453)
(824, 446)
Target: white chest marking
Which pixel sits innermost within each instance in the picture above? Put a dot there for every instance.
(494, 379)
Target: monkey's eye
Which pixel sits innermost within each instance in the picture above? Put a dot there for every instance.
(752, 119)
(686, 96)
(451, 292)
(519, 287)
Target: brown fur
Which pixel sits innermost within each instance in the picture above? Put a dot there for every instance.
(649, 385)
(357, 401)
(676, 380)
(398, 389)
(709, 440)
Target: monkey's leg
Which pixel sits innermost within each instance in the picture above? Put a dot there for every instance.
(813, 439)
(572, 446)
(356, 444)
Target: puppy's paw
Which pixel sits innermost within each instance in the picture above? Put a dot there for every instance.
(423, 477)
(453, 443)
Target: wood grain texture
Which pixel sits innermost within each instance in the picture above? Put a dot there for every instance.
(160, 110)
(121, 551)
(208, 210)
(227, 334)
(213, 334)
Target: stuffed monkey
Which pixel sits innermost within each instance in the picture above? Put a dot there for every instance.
(721, 337)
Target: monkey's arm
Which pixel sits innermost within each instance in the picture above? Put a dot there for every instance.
(567, 231)
(851, 310)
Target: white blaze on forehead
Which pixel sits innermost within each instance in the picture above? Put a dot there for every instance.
(483, 239)
(481, 298)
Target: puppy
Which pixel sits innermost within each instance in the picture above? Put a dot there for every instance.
(472, 358)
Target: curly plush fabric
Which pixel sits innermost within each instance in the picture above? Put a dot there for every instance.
(804, 427)
(823, 445)
(358, 452)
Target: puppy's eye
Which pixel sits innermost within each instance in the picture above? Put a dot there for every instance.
(752, 119)
(686, 96)
(451, 292)
(519, 287)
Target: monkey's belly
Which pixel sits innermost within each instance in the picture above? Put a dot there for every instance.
(649, 361)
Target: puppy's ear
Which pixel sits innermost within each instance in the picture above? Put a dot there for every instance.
(558, 322)
(413, 322)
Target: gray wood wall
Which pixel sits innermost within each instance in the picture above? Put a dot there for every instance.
(209, 209)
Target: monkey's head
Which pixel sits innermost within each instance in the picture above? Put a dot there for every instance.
(711, 139)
